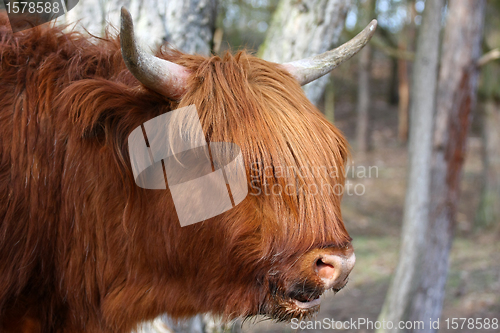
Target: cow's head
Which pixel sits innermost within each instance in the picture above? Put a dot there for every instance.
(277, 251)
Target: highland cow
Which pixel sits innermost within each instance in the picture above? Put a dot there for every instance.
(84, 249)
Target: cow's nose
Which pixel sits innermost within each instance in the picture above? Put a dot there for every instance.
(334, 269)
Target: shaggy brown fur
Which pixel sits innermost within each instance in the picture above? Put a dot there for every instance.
(83, 249)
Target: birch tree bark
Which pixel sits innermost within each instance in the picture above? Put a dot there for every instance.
(300, 29)
(402, 289)
(186, 25)
(95, 16)
(457, 90)
(190, 25)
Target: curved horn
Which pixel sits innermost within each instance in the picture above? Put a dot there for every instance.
(162, 76)
(312, 68)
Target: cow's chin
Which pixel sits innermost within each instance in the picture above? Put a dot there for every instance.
(295, 305)
(286, 308)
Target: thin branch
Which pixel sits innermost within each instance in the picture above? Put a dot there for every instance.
(392, 52)
(489, 56)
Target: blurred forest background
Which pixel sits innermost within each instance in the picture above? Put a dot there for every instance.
(375, 100)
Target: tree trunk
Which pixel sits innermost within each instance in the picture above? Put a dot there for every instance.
(88, 16)
(363, 104)
(94, 16)
(397, 303)
(330, 100)
(404, 98)
(186, 25)
(406, 40)
(190, 25)
(457, 87)
(363, 100)
(300, 29)
(488, 212)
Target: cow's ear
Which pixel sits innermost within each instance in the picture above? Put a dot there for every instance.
(96, 107)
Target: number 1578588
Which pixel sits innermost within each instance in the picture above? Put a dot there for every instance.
(32, 7)
(471, 323)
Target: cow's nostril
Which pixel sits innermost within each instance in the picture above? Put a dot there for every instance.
(324, 270)
(333, 269)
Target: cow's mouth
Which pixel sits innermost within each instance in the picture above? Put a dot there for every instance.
(287, 306)
(311, 301)
(300, 303)
(304, 303)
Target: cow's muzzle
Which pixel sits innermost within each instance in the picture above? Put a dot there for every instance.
(319, 270)
(327, 269)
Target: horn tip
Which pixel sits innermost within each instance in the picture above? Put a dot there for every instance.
(125, 15)
(126, 24)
